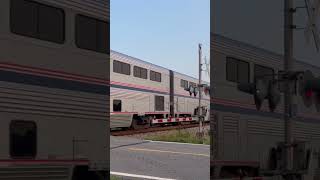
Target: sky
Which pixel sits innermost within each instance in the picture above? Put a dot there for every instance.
(162, 32)
(260, 23)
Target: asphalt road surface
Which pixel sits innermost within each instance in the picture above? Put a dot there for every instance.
(137, 159)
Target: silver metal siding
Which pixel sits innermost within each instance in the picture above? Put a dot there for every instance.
(98, 8)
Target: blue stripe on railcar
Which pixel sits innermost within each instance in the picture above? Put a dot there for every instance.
(51, 82)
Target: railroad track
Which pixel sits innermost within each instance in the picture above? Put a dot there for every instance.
(153, 129)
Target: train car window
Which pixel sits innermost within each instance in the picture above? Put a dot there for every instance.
(232, 70)
(136, 71)
(23, 139)
(237, 70)
(140, 72)
(144, 73)
(260, 71)
(184, 83)
(120, 67)
(155, 76)
(23, 18)
(103, 39)
(243, 72)
(125, 68)
(159, 103)
(29, 18)
(116, 66)
(152, 75)
(117, 105)
(51, 24)
(92, 34)
(158, 77)
(86, 29)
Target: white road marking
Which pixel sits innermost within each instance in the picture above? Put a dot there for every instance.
(170, 152)
(138, 176)
(165, 142)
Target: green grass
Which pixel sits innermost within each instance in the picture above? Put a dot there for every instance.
(115, 178)
(181, 136)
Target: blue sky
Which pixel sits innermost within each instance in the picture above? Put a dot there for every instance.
(163, 32)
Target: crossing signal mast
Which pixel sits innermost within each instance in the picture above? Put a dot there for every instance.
(309, 88)
(197, 90)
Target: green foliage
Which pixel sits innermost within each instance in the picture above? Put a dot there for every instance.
(182, 136)
(115, 178)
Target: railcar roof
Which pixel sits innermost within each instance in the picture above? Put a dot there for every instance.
(145, 62)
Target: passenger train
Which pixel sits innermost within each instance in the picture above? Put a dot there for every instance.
(243, 136)
(144, 94)
(54, 89)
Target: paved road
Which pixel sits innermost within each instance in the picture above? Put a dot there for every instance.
(159, 161)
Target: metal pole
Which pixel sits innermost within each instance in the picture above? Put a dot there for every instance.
(200, 71)
(288, 66)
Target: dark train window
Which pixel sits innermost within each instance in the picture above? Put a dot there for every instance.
(92, 34)
(155, 76)
(117, 105)
(184, 83)
(159, 103)
(260, 71)
(103, 39)
(125, 68)
(32, 19)
(237, 70)
(140, 72)
(120, 67)
(23, 139)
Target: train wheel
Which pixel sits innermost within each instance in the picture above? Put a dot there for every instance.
(148, 122)
(135, 125)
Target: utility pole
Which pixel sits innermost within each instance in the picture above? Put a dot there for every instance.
(288, 66)
(199, 88)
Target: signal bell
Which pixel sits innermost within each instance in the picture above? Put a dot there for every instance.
(192, 90)
(274, 95)
(262, 89)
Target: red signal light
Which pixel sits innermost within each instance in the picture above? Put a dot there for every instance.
(309, 93)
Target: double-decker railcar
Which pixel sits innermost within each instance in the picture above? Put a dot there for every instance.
(144, 94)
(242, 135)
(54, 89)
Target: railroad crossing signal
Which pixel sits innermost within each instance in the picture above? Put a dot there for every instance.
(309, 89)
(195, 90)
(192, 90)
(262, 89)
(274, 95)
(206, 89)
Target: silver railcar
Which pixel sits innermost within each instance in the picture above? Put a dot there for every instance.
(54, 92)
(144, 94)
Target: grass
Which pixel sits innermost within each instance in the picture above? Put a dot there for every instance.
(115, 178)
(182, 136)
